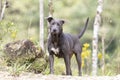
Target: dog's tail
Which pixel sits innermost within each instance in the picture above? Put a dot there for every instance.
(83, 30)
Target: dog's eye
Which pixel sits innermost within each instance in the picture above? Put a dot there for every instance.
(58, 24)
(53, 23)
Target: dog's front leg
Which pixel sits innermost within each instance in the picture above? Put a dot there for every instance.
(67, 63)
(51, 62)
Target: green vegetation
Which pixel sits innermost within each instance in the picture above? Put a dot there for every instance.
(16, 69)
(21, 21)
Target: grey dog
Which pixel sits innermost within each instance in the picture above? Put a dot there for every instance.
(63, 45)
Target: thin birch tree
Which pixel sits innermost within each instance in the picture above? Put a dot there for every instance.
(41, 29)
(97, 23)
(50, 5)
(0, 6)
(50, 14)
(51, 10)
(2, 9)
(103, 52)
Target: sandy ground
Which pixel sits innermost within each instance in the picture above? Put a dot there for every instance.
(31, 76)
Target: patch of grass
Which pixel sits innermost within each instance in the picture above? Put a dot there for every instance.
(38, 65)
(16, 69)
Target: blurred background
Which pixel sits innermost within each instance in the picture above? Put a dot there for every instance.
(22, 16)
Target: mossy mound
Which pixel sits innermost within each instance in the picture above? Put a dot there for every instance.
(26, 52)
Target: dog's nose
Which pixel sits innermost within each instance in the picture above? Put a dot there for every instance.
(54, 30)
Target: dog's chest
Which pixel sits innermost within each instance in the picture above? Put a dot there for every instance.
(57, 50)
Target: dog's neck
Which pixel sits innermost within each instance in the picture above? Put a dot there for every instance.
(56, 39)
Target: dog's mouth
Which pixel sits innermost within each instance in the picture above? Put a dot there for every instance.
(54, 34)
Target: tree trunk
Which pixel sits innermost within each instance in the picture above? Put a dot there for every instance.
(0, 6)
(3, 10)
(95, 37)
(41, 3)
(50, 5)
(103, 52)
(50, 8)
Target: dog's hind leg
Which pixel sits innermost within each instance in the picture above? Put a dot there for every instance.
(77, 51)
(78, 58)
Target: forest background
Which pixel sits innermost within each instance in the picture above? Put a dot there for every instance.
(23, 18)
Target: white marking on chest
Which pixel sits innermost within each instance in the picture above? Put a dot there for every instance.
(56, 51)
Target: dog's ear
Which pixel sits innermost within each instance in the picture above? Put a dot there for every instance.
(49, 19)
(62, 22)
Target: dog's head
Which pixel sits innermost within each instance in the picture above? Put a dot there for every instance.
(55, 25)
